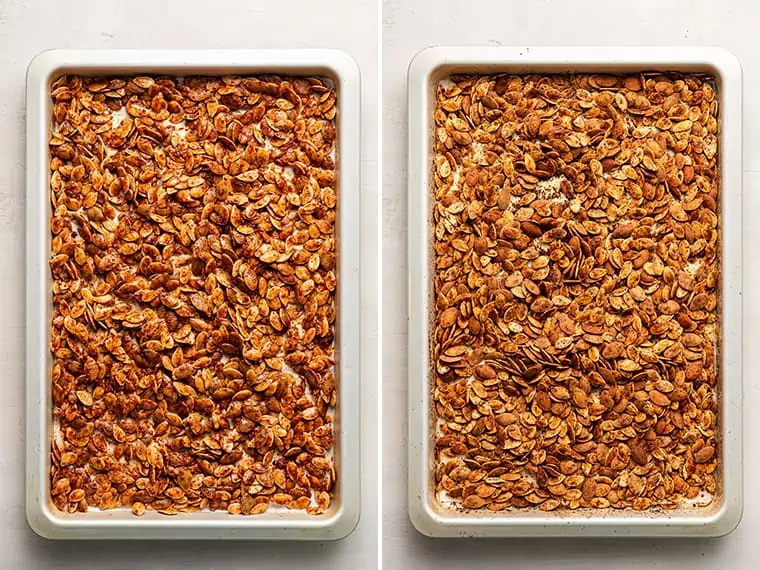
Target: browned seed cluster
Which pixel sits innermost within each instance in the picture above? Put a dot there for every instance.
(576, 242)
(193, 264)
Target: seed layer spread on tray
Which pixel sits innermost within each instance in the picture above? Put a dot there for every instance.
(576, 291)
(193, 285)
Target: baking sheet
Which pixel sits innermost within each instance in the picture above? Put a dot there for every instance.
(427, 514)
(43, 517)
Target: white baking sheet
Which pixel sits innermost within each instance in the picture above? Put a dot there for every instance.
(427, 512)
(43, 517)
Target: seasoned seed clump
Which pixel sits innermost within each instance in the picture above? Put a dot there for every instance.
(576, 238)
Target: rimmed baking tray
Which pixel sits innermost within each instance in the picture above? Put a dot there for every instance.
(427, 513)
(343, 515)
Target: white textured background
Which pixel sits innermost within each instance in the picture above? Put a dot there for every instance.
(30, 26)
(410, 25)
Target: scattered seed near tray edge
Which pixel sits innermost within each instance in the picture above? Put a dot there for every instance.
(193, 263)
(576, 290)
